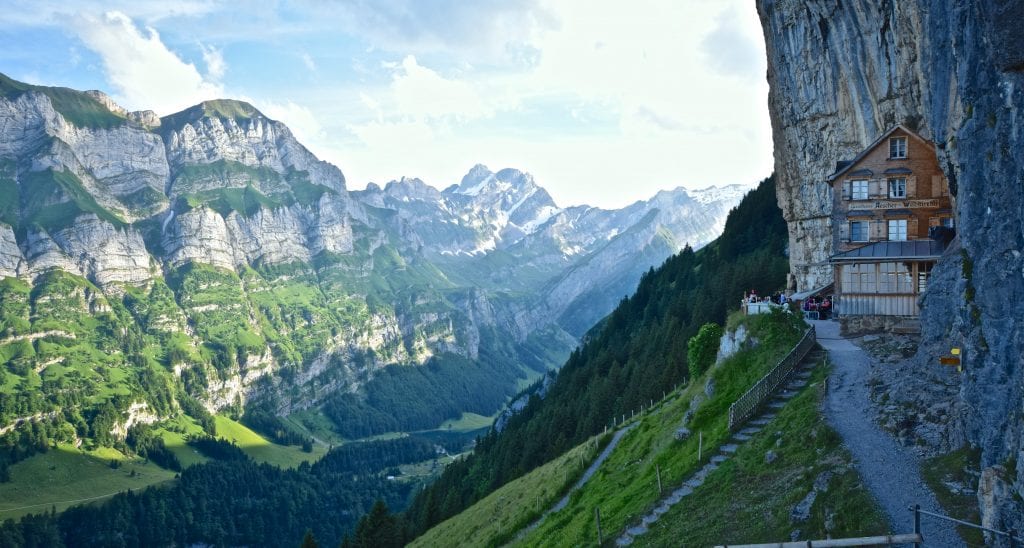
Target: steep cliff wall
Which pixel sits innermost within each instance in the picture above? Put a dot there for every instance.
(843, 71)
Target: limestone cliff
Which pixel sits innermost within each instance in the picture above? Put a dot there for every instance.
(209, 251)
(841, 73)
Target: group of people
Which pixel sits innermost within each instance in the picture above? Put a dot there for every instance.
(778, 298)
(823, 306)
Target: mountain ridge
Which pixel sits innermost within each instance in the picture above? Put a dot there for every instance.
(246, 272)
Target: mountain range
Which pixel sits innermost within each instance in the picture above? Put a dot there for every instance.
(209, 256)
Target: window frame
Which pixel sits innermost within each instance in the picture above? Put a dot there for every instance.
(866, 233)
(854, 195)
(898, 145)
(897, 232)
(900, 183)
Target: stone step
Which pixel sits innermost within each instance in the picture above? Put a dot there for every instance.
(797, 384)
(719, 459)
(709, 467)
(750, 430)
(729, 448)
(637, 531)
(762, 420)
(693, 483)
(661, 509)
(624, 540)
(683, 491)
(776, 404)
(649, 519)
(787, 394)
(741, 437)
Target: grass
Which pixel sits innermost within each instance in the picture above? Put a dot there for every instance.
(749, 501)
(496, 519)
(467, 422)
(66, 476)
(943, 473)
(76, 107)
(625, 486)
(174, 433)
(262, 449)
(42, 187)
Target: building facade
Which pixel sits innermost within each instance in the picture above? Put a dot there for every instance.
(886, 201)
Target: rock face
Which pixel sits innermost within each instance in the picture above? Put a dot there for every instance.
(841, 73)
(241, 262)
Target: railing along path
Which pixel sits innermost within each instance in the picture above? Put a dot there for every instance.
(748, 404)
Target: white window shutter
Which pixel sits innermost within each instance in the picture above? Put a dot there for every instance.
(912, 228)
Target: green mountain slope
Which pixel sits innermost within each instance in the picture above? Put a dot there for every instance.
(636, 355)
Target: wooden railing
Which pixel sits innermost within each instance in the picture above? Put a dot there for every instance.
(749, 403)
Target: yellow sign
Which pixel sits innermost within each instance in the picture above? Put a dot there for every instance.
(955, 351)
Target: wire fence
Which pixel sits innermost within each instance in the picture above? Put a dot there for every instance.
(751, 401)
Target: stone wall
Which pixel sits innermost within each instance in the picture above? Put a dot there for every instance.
(841, 73)
(851, 326)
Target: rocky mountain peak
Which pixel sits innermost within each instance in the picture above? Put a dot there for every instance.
(146, 118)
(223, 109)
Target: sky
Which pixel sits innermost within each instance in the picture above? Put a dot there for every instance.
(604, 102)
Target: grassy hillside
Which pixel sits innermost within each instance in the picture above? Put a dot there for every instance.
(746, 500)
(500, 515)
(66, 476)
(637, 354)
(76, 107)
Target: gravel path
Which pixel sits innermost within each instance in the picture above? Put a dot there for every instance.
(890, 471)
(583, 480)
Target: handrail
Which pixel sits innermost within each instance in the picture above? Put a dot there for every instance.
(747, 405)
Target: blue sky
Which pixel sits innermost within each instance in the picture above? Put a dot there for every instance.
(605, 102)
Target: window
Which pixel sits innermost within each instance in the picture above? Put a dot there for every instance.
(924, 271)
(946, 222)
(898, 230)
(898, 188)
(858, 231)
(859, 190)
(858, 278)
(894, 278)
(898, 147)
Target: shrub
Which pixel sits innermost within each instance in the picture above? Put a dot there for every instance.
(702, 348)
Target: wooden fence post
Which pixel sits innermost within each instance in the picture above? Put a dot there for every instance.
(597, 515)
(657, 469)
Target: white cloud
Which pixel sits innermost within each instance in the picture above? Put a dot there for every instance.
(481, 30)
(301, 120)
(307, 60)
(425, 95)
(682, 118)
(143, 71)
(215, 65)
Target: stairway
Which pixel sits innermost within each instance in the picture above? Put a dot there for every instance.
(797, 380)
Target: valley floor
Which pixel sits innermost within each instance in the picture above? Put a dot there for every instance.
(890, 471)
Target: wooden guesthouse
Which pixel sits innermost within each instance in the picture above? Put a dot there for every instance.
(885, 201)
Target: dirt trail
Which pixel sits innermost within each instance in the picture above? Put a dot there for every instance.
(890, 471)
